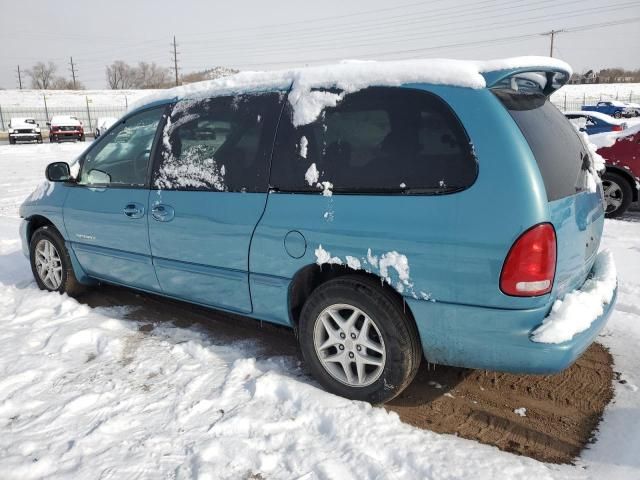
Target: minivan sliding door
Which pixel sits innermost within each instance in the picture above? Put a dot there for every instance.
(209, 190)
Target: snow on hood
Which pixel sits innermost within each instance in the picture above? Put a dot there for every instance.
(64, 121)
(349, 77)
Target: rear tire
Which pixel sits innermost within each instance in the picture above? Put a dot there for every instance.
(51, 264)
(618, 194)
(357, 340)
(617, 115)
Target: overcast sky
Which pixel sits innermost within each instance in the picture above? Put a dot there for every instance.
(252, 34)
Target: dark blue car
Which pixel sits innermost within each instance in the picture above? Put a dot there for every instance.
(595, 122)
(613, 108)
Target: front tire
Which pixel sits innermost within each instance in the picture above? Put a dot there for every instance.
(357, 340)
(617, 115)
(617, 194)
(51, 264)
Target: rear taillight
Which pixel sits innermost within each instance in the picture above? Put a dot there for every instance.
(617, 128)
(531, 263)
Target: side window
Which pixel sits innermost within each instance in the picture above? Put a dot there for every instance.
(122, 156)
(218, 144)
(377, 140)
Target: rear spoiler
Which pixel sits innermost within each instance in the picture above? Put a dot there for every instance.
(544, 73)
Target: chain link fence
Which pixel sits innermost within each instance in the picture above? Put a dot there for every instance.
(569, 102)
(88, 113)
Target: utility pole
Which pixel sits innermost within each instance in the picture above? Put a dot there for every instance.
(73, 72)
(552, 34)
(19, 78)
(175, 59)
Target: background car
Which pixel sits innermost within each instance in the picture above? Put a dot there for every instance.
(24, 130)
(595, 122)
(612, 107)
(621, 180)
(103, 124)
(635, 107)
(64, 127)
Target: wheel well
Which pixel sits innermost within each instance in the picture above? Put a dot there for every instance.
(632, 181)
(306, 280)
(35, 223)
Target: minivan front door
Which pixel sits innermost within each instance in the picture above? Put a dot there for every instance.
(105, 212)
(209, 190)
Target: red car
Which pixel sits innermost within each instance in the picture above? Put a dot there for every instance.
(621, 180)
(63, 128)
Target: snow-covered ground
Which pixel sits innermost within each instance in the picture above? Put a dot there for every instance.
(70, 98)
(85, 394)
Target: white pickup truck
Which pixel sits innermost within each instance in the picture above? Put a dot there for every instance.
(24, 130)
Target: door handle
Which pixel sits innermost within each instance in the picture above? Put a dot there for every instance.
(133, 210)
(163, 213)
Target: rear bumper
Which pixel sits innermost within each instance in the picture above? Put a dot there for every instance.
(495, 339)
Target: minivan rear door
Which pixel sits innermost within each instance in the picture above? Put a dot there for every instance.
(573, 188)
(209, 190)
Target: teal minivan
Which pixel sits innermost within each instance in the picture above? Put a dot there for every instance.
(385, 211)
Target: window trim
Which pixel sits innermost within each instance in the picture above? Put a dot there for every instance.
(154, 145)
(391, 191)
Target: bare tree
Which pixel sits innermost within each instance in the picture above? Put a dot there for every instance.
(42, 75)
(120, 75)
(61, 83)
(151, 75)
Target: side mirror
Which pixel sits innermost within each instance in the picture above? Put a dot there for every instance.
(48, 124)
(58, 172)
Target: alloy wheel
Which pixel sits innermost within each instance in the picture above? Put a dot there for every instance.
(349, 345)
(48, 264)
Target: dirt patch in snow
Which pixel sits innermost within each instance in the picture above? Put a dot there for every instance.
(562, 411)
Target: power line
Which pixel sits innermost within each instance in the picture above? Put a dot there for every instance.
(445, 31)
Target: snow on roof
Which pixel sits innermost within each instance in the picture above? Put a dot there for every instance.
(599, 115)
(350, 76)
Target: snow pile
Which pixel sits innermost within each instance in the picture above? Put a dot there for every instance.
(382, 265)
(607, 139)
(308, 86)
(597, 164)
(304, 144)
(580, 308)
(312, 175)
(324, 257)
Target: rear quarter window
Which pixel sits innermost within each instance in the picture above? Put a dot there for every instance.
(559, 152)
(376, 140)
